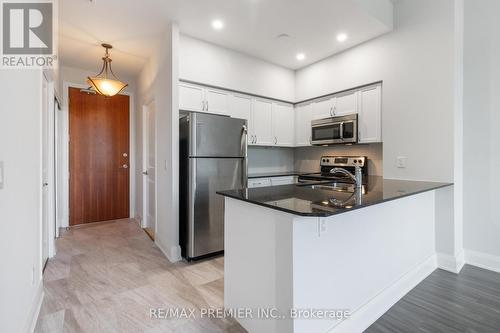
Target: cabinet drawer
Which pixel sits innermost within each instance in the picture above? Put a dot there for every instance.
(276, 181)
(259, 182)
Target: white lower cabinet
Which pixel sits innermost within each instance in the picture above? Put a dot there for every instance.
(276, 181)
(271, 181)
(259, 182)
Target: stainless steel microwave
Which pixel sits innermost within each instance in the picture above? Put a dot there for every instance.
(335, 130)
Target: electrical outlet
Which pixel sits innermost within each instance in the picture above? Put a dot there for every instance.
(401, 162)
(322, 226)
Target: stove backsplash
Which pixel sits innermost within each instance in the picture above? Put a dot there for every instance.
(307, 158)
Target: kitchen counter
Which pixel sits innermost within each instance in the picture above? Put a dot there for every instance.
(321, 200)
(276, 174)
(320, 251)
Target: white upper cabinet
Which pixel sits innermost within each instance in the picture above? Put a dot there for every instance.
(346, 103)
(323, 108)
(303, 117)
(262, 122)
(241, 107)
(191, 98)
(370, 114)
(283, 124)
(216, 101)
(273, 123)
(200, 99)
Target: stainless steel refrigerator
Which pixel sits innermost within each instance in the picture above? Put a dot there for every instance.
(213, 157)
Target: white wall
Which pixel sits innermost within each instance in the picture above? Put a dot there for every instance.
(482, 127)
(20, 199)
(207, 63)
(158, 82)
(416, 63)
(307, 158)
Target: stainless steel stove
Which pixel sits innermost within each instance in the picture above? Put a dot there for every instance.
(328, 163)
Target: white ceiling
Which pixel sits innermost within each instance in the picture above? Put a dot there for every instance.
(251, 26)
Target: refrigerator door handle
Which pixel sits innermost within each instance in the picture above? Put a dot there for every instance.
(244, 147)
(192, 197)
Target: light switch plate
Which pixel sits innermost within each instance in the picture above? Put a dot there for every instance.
(1, 175)
(401, 162)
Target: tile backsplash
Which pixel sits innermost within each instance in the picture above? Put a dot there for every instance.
(270, 159)
(306, 159)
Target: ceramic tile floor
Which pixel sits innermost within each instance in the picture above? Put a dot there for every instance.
(106, 278)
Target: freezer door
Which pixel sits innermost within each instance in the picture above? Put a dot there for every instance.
(217, 136)
(206, 216)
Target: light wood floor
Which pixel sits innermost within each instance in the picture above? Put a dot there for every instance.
(105, 278)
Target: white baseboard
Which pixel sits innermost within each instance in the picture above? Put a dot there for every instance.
(362, 318)
(449, 263)
(173, 253)
(35, 309)
(483, 260)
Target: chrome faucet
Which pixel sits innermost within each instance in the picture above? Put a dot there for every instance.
(357, 177)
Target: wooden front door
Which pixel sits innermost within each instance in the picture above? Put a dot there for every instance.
(98, 157)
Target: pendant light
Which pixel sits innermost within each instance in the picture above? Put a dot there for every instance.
(106, 83)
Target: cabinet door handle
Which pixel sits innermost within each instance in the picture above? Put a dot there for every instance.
(255, 139)
(206, 104)
(275, 140)
(334, 110)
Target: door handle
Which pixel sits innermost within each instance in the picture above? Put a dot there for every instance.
(145, 173)
(45, 184)
(125, 166)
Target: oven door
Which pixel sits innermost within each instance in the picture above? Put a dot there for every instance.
(326, 133)
(349, 131)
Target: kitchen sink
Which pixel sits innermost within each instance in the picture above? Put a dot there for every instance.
(331, 186)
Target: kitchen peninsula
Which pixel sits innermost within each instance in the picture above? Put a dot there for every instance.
(327, 246)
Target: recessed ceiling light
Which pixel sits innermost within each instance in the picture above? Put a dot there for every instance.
(217, 24)
(341, 37)
(301, 56)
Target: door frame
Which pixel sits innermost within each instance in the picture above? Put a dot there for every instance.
(145, 157)
(49, 229)
(63, 175)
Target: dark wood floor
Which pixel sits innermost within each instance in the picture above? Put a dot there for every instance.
(448, 303)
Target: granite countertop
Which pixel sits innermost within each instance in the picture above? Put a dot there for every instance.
(276, 174)
(321, 200)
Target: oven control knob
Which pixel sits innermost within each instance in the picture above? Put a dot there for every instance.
(327, 161)
(355, 161)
